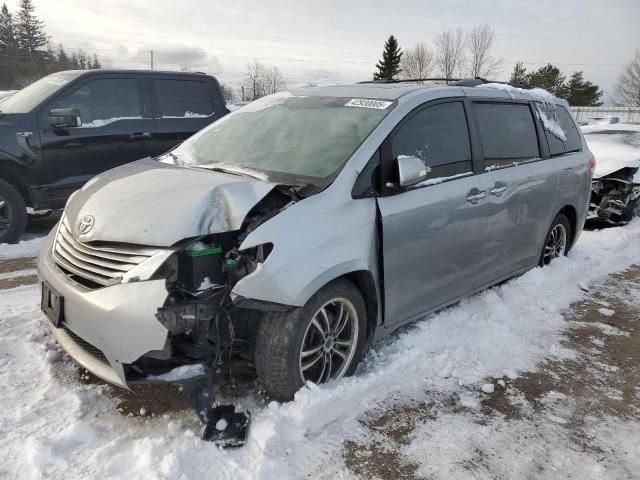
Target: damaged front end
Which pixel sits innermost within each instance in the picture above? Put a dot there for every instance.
(615, 198)
(209, 337)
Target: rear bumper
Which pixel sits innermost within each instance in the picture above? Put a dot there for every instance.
(107, 328)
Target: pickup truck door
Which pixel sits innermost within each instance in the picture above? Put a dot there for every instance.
(117, 128)
(181, 107)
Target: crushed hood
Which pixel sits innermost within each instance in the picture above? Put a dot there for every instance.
(611, 152)
(157, 204)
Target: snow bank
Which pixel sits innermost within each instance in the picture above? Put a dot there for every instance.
(25, 248)
(55, 427)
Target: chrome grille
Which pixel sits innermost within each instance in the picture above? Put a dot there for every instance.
(101, 263)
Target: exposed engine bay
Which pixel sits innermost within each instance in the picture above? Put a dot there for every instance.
(205, 326)
(615, 198)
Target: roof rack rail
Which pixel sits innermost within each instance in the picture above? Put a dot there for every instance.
(459, 82)
(413, 80)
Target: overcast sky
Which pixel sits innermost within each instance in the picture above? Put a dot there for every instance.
(339, 41)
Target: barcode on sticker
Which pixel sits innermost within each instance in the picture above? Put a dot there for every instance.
(364, 103)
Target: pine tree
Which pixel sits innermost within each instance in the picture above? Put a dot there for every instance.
(550, 78)
(96, 63)
(7, 31)
(582, 93)
(519, 74)
(62, 59)
(389, 66)
(29, 28)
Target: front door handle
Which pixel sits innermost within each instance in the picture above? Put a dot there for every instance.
(498, 189)
(476, 195)
(139, 135)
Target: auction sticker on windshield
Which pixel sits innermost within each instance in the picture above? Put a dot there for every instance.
(364, 103)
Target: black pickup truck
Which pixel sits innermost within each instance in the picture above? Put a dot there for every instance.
(65, 128)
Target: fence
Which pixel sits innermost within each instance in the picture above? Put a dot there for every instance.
(626, 114)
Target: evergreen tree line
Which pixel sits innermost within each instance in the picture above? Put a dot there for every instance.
(25, 52)
(577, 91)
(449, 59)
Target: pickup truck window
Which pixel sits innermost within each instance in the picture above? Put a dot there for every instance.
(104, 101)
(30, 97)
(183, 98)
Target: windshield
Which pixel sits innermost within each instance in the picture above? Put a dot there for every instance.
(30, 97)
(288, 139)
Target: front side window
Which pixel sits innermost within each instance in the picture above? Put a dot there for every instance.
(104, 101)
(439, 136)
(295, 140)
(183, 99)
(508, 133)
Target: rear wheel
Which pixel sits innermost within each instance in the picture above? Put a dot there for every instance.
(13, 213)
(322, 341)
(556, 242)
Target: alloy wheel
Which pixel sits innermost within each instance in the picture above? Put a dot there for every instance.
(330, 341)
(556, 243)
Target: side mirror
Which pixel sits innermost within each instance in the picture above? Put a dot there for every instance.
(63, 118)
(411, 170)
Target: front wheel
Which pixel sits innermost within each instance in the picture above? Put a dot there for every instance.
(556, 242)
(322, 341)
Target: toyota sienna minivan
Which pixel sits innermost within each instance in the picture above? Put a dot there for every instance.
(297, 230)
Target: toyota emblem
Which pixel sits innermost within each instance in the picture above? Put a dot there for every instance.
(86, 224)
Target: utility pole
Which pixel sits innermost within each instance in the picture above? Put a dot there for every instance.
(151, 52)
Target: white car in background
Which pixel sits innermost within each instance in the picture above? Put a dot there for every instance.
(615, 191)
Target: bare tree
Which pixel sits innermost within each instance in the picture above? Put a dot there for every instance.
(274, 81)
(260, 81)
(417, 62)
(254, 80)
(450, 52)
(227, 93)
(627, 86)
(480, 62)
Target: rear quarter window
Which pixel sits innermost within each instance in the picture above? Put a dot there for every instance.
(508, 133)
(557, 145)
(183, 98)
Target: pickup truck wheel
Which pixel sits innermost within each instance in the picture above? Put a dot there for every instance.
(322, 341)
(13, 213)
(556, 242)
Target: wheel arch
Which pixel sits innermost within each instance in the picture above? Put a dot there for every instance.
(571, 213)
(366, 284)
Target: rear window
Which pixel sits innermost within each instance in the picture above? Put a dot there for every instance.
(559, 116)
(183, 98)
(508, 133)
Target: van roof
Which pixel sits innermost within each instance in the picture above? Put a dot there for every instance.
(396, 90)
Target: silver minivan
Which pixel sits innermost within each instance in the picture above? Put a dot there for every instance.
(296, 231)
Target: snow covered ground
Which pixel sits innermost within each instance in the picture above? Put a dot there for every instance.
(52, 425)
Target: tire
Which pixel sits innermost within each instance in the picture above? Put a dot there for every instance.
(560, 224)
(281, 336)
(13, 213)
